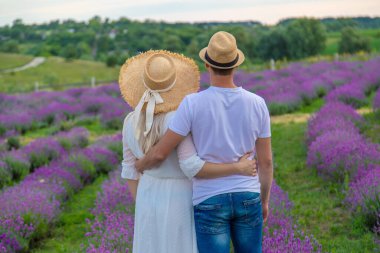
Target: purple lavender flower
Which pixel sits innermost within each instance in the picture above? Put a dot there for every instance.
(103, 159)
(333, 116)
(20, 122)
(288, 240)
(287, 89)
(57, 111)
(338, 153)
(13, 228)
(42, 151)
(280, 207)
(114, 196)
(77, 137)
(281, 234)
(364, 191)
(55, 175)
(318, 128)
(94, 104)
(39, 196)
(112, 229)
(17, 163)
(351, 94)
(31, 198)
(113, 116)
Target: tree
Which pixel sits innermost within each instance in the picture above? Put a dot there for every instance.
(10, 47)
(245, 38)
(192, 49)
(172, 43)
(111, 60)
(306, 37)
(351, 41)
(70, 52)
(274, 45)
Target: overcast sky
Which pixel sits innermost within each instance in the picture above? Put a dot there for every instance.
(266, 11)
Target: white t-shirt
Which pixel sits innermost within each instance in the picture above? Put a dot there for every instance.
(225, 123)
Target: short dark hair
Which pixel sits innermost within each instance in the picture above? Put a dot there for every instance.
(222, 72)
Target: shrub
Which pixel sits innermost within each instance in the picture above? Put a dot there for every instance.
(18, 165)
(351, 42)
(2, 130)
(5, 175)
(13, 142)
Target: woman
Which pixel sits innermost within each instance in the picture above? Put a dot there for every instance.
(154, 83)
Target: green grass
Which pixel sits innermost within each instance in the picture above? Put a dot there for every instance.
(318, 204)
(333, 39)
(69, 233)
(331, 44)
(95, 128)
(314, 106)
(39, 133)
(56, 72)
(8, 61)
(372, 127)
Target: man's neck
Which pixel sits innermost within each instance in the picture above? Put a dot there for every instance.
(222, 81)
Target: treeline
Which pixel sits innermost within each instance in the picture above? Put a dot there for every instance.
(114, 41)
(338, 24)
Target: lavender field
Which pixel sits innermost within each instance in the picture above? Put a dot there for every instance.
(60, 155)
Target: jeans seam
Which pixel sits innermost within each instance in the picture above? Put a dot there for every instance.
(231, 205)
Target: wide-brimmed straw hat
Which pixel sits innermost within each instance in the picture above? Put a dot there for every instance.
(222, 51)
(157, 81)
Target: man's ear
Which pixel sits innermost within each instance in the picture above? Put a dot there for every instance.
(208, 67)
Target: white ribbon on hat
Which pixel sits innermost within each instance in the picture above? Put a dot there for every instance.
(152, 97)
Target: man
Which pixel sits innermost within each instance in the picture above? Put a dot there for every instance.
(226, 122)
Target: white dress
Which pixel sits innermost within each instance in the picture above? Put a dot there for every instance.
(164, 221)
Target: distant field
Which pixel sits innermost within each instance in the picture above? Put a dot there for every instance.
(55, 72)
(334, 37)
(8, 61)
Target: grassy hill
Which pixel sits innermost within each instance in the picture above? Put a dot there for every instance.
(55, 72)
(8, 61)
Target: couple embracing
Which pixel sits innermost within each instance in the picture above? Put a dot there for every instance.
(199, 165)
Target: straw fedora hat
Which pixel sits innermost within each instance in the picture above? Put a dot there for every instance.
(156, 82)
(222, 51)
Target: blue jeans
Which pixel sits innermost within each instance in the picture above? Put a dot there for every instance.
(237, 216)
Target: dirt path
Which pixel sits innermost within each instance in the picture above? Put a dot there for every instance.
(32, 64)
(303, 117)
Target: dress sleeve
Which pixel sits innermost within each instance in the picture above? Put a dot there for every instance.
(128, 164)
(189, 160)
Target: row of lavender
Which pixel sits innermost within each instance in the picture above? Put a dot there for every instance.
(27, 209)
(23, 112)
(17, 163)
(288, 89)
(340, 153)
(112, 228)
(284, 90)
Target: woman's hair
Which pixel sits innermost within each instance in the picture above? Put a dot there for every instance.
(155, 133)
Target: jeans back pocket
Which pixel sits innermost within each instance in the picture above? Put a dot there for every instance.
(253, 211)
